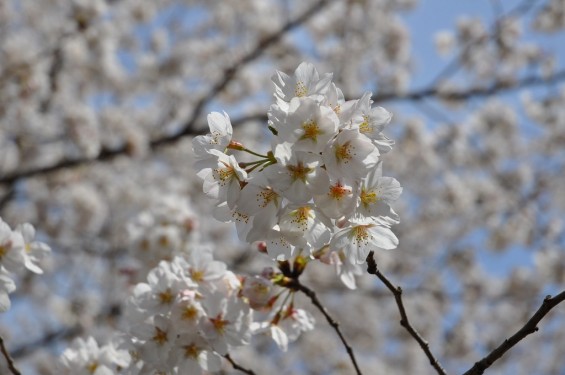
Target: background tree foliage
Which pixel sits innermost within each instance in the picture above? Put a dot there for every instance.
(99, 101)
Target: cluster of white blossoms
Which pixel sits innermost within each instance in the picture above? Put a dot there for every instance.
(319, 192)
(18, 250)
(191, 310)
(186, 316)
(166, 229)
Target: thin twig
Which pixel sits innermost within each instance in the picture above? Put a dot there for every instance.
(529, 328)
(331, 321)
(495, 88)
(9, 359)
(404, 322)
(64, 333)
(238, 367)
(7, 197)
(453, 66)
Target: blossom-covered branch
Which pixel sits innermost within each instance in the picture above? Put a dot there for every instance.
(189, 128)
(473, 92)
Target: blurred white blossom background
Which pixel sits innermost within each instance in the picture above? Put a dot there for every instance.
(100, 101)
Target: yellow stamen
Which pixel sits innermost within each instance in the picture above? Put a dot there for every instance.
(160, 336)
(311, 130)
(300, 90)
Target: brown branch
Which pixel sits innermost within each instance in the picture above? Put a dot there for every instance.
(9, 359)
(7, 197)
(230, 73)
(64, 333)
(296, 285)
(475, 92)
(189, 127)
(53, 76)
(47, 339)
(404, 322)
(529, 328)
(238, 367)
(453, 66)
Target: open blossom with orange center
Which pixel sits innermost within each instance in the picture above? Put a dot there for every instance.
(305, 226)
(222, 178)
(376, 194)
(357, 240)
(219, 138)
(298, 176)
(338, 201)
(307, 125)
(304, 82)
(350, 155)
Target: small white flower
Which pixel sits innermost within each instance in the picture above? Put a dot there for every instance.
(376, 195)
(334, 99)
(257, 290)
(12, 248)
(228, 322)
(158, 340)
(192, 354)
(34, 250)
(345, 269)
(7, 286)
(358, 239)
(275, 331)
(295, 322)
(218, 139)
(350, 155)
(278, 247)
(202, 269)
(164, 284)
(222, 179)
(187, 312)
(298, 175)
(307, 125)
(305, 82)
(85, 357)
(304, 225)
(370, 121)
(339, 199)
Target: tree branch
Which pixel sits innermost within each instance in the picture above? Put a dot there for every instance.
(238, 367)
(529, 328)
(296, 285)
(404, 322)
(191, 129)
(495, 88)
(7, 197)
(64, 333)
(9, 359)
(452, 67)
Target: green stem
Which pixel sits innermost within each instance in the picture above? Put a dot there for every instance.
(254, 153)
